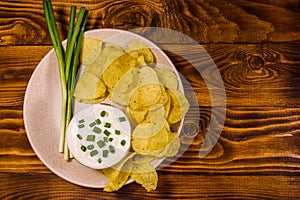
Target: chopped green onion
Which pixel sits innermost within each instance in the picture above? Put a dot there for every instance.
(105, 139)
(90, 147)
(117, 132)
(123, 142)
(83, 148)
(101, 144)
(79, 136)
(99, 160)
(96, 130)
(92, 124)
(105, 153)
(80, 125)
(111, 149)
(103, 113)
(93, 153)
(98, 121)
(107, 125)
(90, 138)
(110, 139)
(106, 132)
(122, 119)
(81, 121)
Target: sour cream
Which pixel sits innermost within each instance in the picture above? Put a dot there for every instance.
(98, 136)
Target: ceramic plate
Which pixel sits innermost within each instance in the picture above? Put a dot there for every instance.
(42, 107)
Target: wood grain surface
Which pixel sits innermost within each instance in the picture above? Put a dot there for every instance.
(254, 45)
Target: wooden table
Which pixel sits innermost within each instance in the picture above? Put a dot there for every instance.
(255, 45)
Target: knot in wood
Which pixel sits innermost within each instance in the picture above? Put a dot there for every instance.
(190, 129)
(256, 62)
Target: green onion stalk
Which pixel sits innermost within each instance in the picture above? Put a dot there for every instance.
(68, 62)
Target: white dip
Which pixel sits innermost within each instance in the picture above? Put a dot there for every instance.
(99, 140)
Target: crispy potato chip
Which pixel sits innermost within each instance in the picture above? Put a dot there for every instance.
(108, 54)
(90, 49)
(148, 129)
(179, 106)
(145, 96)
(148, 145)
(89, 87)
(138, 116)
(167, 77)
(140, 61)
(142, 113)
(163, 97)
(145, 174)
(138, 158)
(118, 174)
(167, 104)
(142, 49)
(172, 148)
(115, 71)
(130, 81)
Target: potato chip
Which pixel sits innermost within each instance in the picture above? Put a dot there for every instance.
(108, 54)
(179, 106)
(167, 104)
(172, 148)
(142, 113)
(139, 115)
(148, 145)
(158, 122)
(142, 49)
(167, 77)
(164, 97)
(130, 81)
(90, 49)
(145, 174)
(114, 72)
(119, 174)
(145, 96)
(140, 61)
(89, 87)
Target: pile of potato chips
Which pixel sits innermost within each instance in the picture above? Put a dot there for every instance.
(149, 96)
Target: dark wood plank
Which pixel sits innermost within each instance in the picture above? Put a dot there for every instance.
(170, 186)
(253, 141)
(253, 75)
(225, 21)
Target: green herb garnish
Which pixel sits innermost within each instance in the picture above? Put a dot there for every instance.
(93, 153)
(122, 119)
(90, 138)
(83, 148)
(96, 130)
(106, 132)
(107, 125)
(111, 149)
(123, 142)
(105, 153)
(101, 144)
(103, 113)
(80, 125)
(90, 147)
(92, 124)
(117, 132)
(79, 136)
